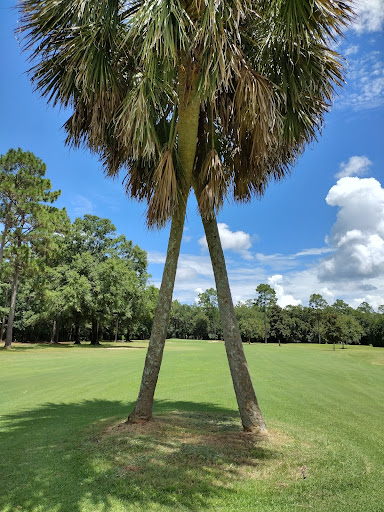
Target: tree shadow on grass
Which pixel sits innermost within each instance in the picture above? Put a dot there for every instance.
(82, 457)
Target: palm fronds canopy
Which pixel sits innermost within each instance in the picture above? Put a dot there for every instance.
(265, 73)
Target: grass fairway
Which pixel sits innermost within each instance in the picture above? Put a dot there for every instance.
(63, 447)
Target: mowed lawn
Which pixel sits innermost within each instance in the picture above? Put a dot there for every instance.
(64, 448)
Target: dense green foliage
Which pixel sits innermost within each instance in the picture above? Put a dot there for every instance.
(32, 229)
(95, 288)
(338, 323)
(59, 279)
(61, 450)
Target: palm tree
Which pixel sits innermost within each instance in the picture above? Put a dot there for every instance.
(218, 96)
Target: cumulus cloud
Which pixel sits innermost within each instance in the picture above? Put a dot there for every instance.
(356, 166)
(369, 16)
(283, 298)
(237, 241)
(358, 234)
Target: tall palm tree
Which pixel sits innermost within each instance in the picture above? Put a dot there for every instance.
(218, 96)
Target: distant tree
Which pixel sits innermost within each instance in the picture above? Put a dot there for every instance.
(341, 328)
(341, 307)
(200, 323)
(266, 298)
(365, 315)
(111, 265)
(378, 329)
(364, 307)
(208, 302)
(299, 323)
(279, 325)
(250, 321)
(146, 312)
(181, 321)
(31, 226)
(318, 304)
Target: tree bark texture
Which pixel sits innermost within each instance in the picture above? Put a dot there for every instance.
(250, 413)
(11, 315)
(94, 332)
(187, 125)
(265, 325)
(53, 331)
(4, 316)
(77, 334)
(3, 237)
(116, 329)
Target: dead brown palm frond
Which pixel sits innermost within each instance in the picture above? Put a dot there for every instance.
(256, 111)
(165, 197)
(213, 183)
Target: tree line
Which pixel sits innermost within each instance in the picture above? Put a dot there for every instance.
(61, 280)
(261, 319)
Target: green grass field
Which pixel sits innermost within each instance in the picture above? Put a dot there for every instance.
(63, 447)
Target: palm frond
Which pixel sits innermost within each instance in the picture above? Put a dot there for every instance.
(213, 184)
(165, 197)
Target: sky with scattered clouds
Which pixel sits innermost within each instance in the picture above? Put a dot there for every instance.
(321, 230)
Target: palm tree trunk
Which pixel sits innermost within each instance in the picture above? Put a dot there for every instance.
(189, 109)
(12, 307)
(143, 407)
(250, 412)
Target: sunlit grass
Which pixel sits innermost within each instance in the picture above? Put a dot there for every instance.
(64, 446)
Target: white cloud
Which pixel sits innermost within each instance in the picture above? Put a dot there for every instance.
(314, 251)
(156, 257)
(356, 166)
(358, 234)
(283, 298)
(186, 237)
(369, 16)
(282, 262)
(365, 83)
(81, 205)
(237, 241)
(351, 50)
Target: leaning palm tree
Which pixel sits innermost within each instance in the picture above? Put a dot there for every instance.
(218, 96)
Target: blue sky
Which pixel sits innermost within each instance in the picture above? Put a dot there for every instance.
(321, 230)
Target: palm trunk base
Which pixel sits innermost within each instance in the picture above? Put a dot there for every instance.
(138, 419)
